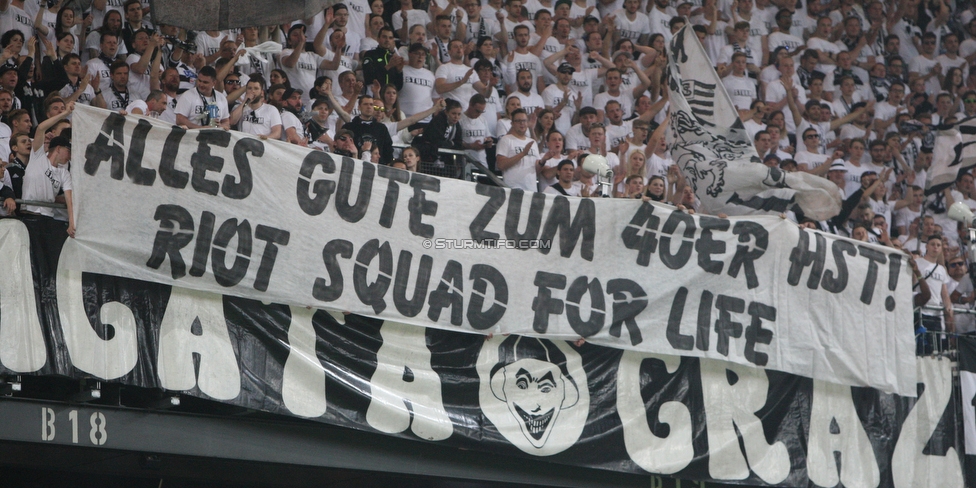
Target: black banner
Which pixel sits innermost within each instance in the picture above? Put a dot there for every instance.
(582, 405)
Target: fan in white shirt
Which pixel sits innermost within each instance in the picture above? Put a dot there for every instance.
(517, 154)
(255, 116)
(154, 105)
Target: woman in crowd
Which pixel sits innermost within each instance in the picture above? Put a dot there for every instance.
(111, 24)
(486, 50)
(545, 124)
(657, 190)
(633, 166)
(12, 43)
(278, 77)
(505, 122)
(411, 157)
(550, 159)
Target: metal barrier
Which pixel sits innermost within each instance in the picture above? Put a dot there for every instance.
(468, 170)
(937, 343)
(35, 203)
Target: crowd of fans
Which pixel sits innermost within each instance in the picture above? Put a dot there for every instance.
(848, 90)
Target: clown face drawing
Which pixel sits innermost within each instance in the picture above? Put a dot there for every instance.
(534, 392)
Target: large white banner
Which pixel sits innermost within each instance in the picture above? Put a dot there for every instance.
(227, 213)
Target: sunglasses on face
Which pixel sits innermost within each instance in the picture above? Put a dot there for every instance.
(232, 82)
(381, 109)
(957, 264)
(970, 100)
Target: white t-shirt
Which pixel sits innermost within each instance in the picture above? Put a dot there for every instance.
(775, 92)
(260, 122)
(193, 105)
(414, 17)
(453, 73)
(43, 182)
(97, 65)
(523, 174)
(553, 96)
(519, 62)
(302, 76)
(139, 82)
(85, 98)
(17, 18)
(418, 92)
(290, 121)
(530, 102)
(475, 130)
(626, 99)
(742, 89)
(937, 277)
(632, 29)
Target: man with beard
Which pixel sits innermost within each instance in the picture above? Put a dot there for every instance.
(531, 101)
(525, 58)
(170, 85)
(256, 117)
(365, 128)
(291, 122)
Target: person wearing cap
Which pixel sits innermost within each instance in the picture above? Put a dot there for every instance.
(193, 109)
(292, 130)
(302, 66)
(344, 144)
(418, 91)
(584, 80)
(8, 81)
(577, 137)
(561, 99)
(47, 173)
(784, 37)
(837, 174)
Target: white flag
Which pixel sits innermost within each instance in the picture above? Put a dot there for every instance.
(713, 148)
(954, 153)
